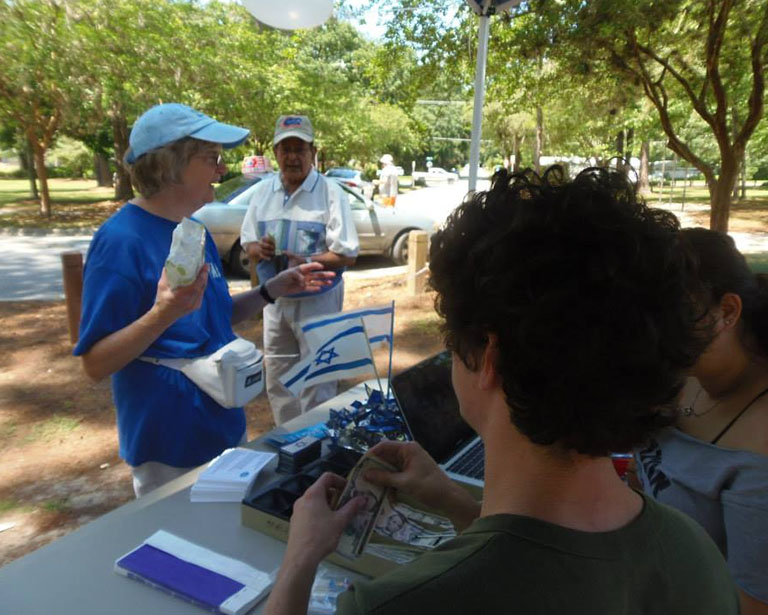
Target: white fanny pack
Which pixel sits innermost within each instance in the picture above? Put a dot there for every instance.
(233, 375)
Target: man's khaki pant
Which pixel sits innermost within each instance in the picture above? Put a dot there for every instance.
(284, 345)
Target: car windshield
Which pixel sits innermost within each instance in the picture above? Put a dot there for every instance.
(228, 190)
(356, 199)
(341, 173)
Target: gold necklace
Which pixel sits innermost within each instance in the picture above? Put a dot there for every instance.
(691, 410)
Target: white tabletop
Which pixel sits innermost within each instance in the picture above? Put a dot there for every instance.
(74, 575)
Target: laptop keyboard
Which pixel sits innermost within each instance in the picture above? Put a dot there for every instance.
(471, 463)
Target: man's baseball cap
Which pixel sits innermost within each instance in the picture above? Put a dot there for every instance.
(169, 122)
(386, 159)
(297, 126)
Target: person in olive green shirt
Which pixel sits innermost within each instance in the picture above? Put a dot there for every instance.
(566, 308)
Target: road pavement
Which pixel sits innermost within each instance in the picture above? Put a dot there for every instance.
(30, 265)
(438, 201)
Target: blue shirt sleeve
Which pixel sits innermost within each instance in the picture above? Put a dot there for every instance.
(111, 301)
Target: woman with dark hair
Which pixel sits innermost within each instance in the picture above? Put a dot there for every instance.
(166, 423)
(713, 465)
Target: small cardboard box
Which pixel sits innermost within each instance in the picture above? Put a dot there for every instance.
(268, 510)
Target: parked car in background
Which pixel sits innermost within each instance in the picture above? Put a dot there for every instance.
(481, 172)
(350, 177)
(435, 175)
(382, 230)
(672, 169)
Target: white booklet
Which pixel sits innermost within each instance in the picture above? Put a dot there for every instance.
(198, 575)
(229, 476)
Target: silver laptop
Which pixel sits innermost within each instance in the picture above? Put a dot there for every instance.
(429, 406)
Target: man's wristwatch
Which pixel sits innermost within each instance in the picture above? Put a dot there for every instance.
(265, 294)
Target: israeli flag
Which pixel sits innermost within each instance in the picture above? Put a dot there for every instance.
(378, 323)
(344, 353)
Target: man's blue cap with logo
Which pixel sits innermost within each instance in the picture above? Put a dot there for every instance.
(169, 122)
(297, 126)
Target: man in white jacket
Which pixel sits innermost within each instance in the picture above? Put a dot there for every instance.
(293, 217)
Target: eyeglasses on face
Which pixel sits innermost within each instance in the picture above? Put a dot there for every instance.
(299, 150)
(213, 158)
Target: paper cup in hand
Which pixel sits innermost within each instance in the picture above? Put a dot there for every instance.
(187, 253)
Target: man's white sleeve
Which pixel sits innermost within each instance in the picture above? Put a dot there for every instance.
(248, 232)
(340, 232)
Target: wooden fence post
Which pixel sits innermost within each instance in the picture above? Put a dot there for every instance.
(72, 275)
(417, 262)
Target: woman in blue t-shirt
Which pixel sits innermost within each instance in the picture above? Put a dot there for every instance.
(713, 465)
(166, 424)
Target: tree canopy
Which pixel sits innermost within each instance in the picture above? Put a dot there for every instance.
(565, 77)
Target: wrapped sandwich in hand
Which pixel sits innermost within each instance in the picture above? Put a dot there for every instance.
(187, 253)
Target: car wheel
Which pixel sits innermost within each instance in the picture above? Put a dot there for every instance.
(400, 249)
(238, 261)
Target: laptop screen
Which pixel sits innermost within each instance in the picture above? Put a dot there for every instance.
(426, 399)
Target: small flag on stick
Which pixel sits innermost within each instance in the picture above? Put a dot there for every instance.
(344, 353)
(377, 320)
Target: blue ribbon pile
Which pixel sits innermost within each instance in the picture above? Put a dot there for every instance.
(367, 423)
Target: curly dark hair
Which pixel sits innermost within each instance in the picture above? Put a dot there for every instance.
(585, 288)
(720, 268)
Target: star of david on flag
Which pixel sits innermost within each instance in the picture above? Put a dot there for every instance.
(326, 356)
(344, 353)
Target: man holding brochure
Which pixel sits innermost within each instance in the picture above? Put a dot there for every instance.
(565, 306)
(297, 216)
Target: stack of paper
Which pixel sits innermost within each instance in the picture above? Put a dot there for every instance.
(196, 574)
(228, 477)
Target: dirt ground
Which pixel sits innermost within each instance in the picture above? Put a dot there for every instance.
(60, 467)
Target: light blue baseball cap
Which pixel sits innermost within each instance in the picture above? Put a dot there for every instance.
(169, 122)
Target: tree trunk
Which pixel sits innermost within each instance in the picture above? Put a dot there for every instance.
(620, 150)
(743, 175)
(42, 175)
(644, 185)
(101, 167)
(720, 192)
(516, 153)
(123, 190)
(29, 165)
(735, 191)
(539, 143)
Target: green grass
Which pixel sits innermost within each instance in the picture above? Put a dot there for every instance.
(8, 430)
(58, 505)
(15, 192)
(758, 262)
(427, 326)
(8, 505)
(56, 426)
(698, 192)
(75, 203)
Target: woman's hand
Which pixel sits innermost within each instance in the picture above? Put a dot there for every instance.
(315, 527)
(172, 304)
(423, 480)
(114, 351)
(308, 277)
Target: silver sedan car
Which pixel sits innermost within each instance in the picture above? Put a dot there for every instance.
(381, 230)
